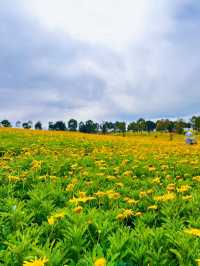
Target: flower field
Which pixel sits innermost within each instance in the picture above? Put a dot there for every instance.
(78, 199)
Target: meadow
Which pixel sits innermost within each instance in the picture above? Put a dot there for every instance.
(77, 199)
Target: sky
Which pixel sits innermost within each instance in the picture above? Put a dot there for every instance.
(101, 60)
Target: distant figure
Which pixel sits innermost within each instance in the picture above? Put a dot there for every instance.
(190, 139)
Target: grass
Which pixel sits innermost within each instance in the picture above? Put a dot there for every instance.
(77, 199)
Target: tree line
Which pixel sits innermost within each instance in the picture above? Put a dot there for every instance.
(141, 125)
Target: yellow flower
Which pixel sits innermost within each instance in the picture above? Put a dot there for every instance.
(198, 262)
(100, 262)
(138, 214)
(120, 217)
(171, 187)
(110, 177)
(151, 168)
(74, 201)
(131, 201)
(187, 197)
(82, 194)
(125, 214)
(156, 180)
(59, 214)
(70, 187)
(143, 193)
(119, 184)
(196, 178)
(51, 220)
(13, 178)
(78, 209)
(193, 231)
(165, 197)
(153, 207)
(74, 181)
(100, 194)
(36, 262)
(128, 173)
(114, 195)
(183, 188)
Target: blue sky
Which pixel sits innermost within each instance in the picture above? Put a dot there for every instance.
(104, 60)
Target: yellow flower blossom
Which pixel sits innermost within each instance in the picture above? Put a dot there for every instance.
(165, 197)
(193, 231)
(70, 187)
(51, 220)
(36, 262)
(196, 178)
(78, 209)
(198, 262)
(100, 194)
(187, 197)
(183, 188)
(171, 187)
(100, 262)
(153, 207)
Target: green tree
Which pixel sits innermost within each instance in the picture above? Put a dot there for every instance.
(132, 126)
(72, 124)
(180, 124)
(141, 124)
(165, 125)
(38, 125)
(120, 127)
(26, 125)
(60, 126)
(150, 125)
(195, 121)
(6, 123)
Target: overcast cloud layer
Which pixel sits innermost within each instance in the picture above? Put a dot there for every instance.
(104, 60)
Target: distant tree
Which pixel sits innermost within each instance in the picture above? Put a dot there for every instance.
(195, 121)
(50, 126)
(132, 126)
(26, 125)
(150, 125)
(6, 123)
(180, 124)
(104, 128)
(82, 127)
(30, 123)
(120, 127)
(38, 125)
(72, 124)
(91, 127)
(141, 124)
(59, 125)
(18, 124)
(165, 125)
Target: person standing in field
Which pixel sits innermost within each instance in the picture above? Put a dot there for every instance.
(190, 139)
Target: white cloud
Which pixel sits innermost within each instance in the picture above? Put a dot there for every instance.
(108, 59)
(115, 23)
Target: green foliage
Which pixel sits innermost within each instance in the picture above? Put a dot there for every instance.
(74, 198)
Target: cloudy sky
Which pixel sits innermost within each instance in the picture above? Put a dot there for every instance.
(99, 59)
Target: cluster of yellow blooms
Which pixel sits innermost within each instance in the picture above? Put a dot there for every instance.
(153, 175)
(165, 197)
(193, 231)
(54, 218)
(127, 213)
